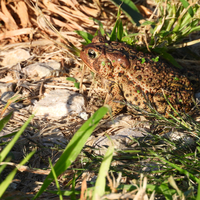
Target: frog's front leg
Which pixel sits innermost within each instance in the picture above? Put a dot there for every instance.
(114, 99)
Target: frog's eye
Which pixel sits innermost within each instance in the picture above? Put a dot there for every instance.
(92, 53)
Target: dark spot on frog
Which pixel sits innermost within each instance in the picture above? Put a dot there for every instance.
(137, 67)
(132, 57)
(139, 78)
(135, 99)
(137, 87)
(120, 74)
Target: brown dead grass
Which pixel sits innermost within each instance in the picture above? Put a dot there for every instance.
(21, 19)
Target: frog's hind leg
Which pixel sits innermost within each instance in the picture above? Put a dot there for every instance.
(114, 99)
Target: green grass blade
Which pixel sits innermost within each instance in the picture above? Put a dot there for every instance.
(8, 135)
(73, 196)
(7, 149)
(64, 192)
(120, 30)
(185, 5)
(101, 29)
(100, 184)
(113, 35)
(198, 192)
(172, 20)
(4, 121)
(164, 189)
(86, 36)
(10, 177)
(183, 171)
(117, 32)
(2, 167)
(197, 28)
(74, 147)
(72, 79)
(56, 180)
(130, 10)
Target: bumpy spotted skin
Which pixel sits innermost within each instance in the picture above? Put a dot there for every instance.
(135, 77)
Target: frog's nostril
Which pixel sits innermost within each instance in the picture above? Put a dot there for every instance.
(92, 53)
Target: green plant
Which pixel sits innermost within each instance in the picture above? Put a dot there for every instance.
(163, 35)
(74, 147)
(174, 171)
(76, 84)
(4, 184)
(176, 21)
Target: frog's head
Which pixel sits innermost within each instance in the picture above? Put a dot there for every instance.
(94, 56)
(103, 58)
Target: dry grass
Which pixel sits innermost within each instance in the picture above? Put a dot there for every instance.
(20, 19)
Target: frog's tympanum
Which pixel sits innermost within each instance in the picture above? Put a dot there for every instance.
(138, 77)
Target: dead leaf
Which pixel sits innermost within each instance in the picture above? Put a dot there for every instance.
(144, 10)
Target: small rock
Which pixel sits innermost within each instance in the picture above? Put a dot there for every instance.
(54, 138)
(13, 57)
(120, 140)
(127, 121)
(84, 115)
(59, 103)
(41, 69)
(132, 132)
(183, 137)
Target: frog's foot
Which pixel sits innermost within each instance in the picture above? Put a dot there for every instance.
(114, 99)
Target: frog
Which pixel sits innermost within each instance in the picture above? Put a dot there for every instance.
(140, 80)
